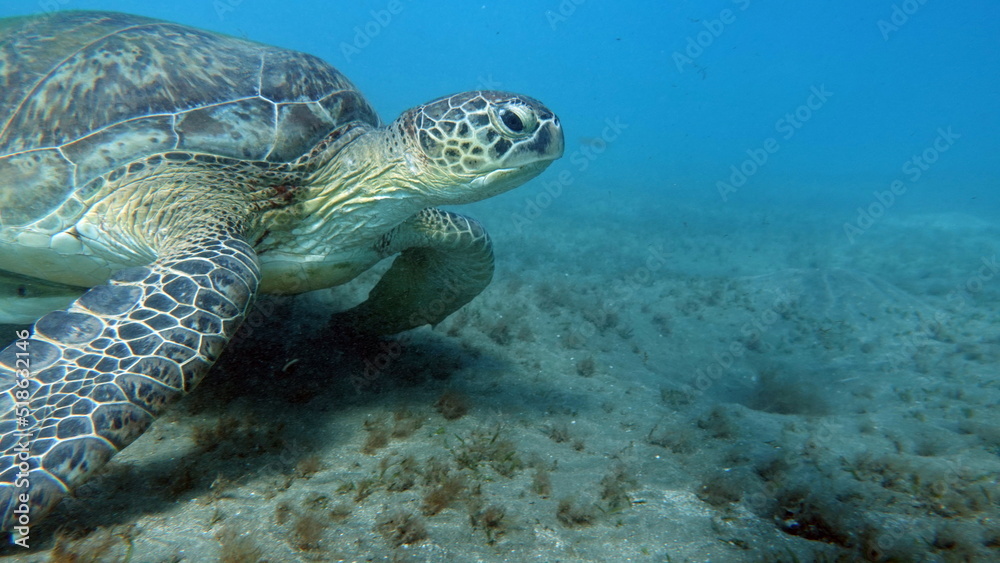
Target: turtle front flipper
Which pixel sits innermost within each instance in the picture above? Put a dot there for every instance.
(92, 378)
(446, 260)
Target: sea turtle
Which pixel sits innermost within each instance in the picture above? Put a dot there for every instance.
(177, 173)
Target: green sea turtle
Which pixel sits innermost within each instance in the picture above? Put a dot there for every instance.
(177, 173)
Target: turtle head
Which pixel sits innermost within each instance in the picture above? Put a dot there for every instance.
(470, 146)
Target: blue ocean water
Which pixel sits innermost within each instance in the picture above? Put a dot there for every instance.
(693, 86)
(853, 110)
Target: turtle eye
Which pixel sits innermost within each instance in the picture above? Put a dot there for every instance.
(514, 121)
(511, 120)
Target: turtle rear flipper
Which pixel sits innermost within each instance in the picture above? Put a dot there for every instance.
(23, 300)
(99, 372)
(446, 260)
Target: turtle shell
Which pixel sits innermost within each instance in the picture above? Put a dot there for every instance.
(85, 93)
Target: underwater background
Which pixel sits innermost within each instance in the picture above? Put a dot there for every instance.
(751, 315)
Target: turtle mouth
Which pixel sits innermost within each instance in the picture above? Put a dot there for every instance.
(505, 179)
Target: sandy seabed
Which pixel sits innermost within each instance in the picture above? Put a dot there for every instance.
(641, 382)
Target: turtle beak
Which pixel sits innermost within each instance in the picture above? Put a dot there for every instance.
(506, 179)
(558, 141)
